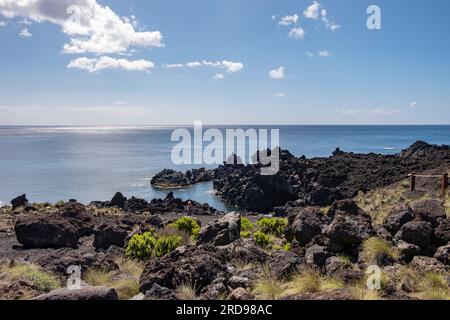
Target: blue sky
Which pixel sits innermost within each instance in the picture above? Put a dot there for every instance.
(348, 75)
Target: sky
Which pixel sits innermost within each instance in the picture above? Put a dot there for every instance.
(173, 62)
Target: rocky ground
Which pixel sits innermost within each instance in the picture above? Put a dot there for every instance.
(381, 234)
(317, 181)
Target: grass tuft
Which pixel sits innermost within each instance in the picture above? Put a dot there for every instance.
(44, 281)
(376, 250)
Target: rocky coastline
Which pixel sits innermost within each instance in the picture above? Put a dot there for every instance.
(309, 236)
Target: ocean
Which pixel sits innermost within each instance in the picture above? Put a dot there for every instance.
(92, 163)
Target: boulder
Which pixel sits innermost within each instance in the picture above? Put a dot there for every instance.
(58, 261)
(245, 251)
(317, 255)
(19, 201)
(397, 218)
(407, 251)
(160, 293)
(350, 225)
(45, 231)
(443, 254)
(442, 233)
(335, 264)
(222, 232)
(109, 234)
(304, 224)
(427, 264)
(119, 200)
(284, 263)
(83, 294)
(430, 210)
(237, 282)
(76, 214)
(215, 290)
(241, 294)
(200, 265)
(416, 232)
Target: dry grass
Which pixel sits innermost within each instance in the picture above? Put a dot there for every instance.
(186, 291)
(376, 250)
(169, 230)
(125, 280)
(44, 281)
(242, 266)
(311, 281)
(268, 287)
(380, 202)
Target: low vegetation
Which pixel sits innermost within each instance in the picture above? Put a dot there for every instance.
(125, 280)
(273, 226)
(377, 251)
(42, 280)
(146, 245)
(186, 291)
(188, 225)
(262, 239)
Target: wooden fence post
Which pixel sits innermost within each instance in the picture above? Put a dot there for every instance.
(412, 181)
(444, 184)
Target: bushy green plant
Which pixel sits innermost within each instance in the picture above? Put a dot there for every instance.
(167, 244)
(144, 246)
(261, 239)
(274, 226)
(246, 225)
(141, 246)
(246, 234)
(188, 225)
(287, 247)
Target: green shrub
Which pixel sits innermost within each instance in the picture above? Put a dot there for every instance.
(246, 225)
(147, 245)
(167, 244)
(246, 234)
(287, 247)
(274, 226)
(261, 239)
(141, 246)
(188, 225)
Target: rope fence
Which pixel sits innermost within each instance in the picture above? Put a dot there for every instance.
(444, 181)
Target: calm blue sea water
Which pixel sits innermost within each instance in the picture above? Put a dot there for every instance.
(92, 163)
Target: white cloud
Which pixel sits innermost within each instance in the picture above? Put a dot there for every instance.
(232, 67)
(102, 63)
(323, 53)
(414, 104)
(219, 76)
(229, 66)
(120, 102)
(383, 112)
(309, 54)
(315, 10)
(3, 23)
(274, 17)
(173, 66)
(280, 94)
(328, 23)
(24, 33)
(277, 74)
(297, 33)
(92, 27)
(312, 12)
(288, 20)
(193, 64)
